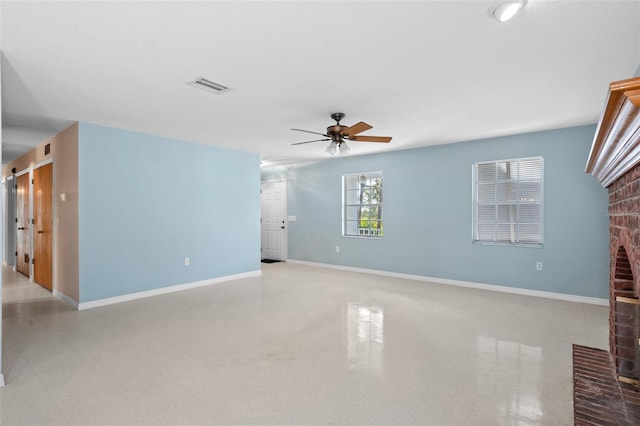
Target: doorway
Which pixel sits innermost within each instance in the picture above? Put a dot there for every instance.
(43, 225)
(23, 225)
(34, 224)
(274, 220)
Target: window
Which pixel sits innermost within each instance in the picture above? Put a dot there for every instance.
(507, 202)
(362, 204)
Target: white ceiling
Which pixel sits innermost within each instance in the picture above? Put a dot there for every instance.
(424, 72)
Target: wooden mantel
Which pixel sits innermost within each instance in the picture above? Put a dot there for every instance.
(616, 146)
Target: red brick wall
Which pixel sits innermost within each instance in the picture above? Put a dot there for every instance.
(624, 248)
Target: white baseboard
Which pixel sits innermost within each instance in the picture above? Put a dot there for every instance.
(165, 290)
(490, 287)
(66, 299)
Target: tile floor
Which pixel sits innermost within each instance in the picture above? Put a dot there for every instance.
(297, 346)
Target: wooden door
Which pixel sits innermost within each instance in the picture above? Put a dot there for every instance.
(43, 225)
(23, 226)
(274, 226)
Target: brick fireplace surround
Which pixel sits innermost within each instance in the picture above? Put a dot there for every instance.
(607, 384)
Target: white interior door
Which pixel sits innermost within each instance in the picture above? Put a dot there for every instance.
(274, 220)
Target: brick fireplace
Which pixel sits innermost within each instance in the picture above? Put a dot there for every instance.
(624, 249)
(607, 385)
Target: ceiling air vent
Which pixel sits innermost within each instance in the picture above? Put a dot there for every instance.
(204, 84)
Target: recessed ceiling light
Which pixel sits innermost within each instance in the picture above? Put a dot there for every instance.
(502, 12)
(204, 84)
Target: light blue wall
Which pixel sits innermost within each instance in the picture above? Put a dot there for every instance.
(147, 202)
(427, 215)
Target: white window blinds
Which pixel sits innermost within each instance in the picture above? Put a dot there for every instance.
(507, 201)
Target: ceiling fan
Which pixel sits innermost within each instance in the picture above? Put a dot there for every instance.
(339, 135)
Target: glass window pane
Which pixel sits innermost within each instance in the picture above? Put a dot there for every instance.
(486, 192)
(530, 191)
(376, 212)
(529, 233)
(486, 213)
(507, 213)
(351, 228)
(351, 182)
(486, 172)
(512, 171)
(366, 195)
(353, 197)
(506, 191)
(506, 232)
(376, 196)
(531, 169)
(364, 213)
(505, 170)
(484, 231)
(351, 213)
(529, 213)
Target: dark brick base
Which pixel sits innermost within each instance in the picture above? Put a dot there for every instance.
(598, 397)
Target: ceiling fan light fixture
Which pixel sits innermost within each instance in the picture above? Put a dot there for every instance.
(332, 148)
(504, 11)
(344, 148)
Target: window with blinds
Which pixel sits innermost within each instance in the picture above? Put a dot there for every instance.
(362, 205)
(507, 202)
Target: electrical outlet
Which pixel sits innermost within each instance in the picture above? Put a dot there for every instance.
(186, 261)
(539, 266)
(337, 249)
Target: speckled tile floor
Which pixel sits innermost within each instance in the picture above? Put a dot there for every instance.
(299, 345)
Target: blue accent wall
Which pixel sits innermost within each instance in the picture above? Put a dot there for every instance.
(147, 202)
(428, 215)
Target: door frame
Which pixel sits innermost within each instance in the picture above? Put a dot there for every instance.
(286, 217)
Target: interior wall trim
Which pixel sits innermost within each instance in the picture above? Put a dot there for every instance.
(66, 299)
(23, 172)
(616, 145)
(469, 284)
(165, 290)
(43, 163)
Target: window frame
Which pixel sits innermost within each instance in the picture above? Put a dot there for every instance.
(518, 202)
(346, 205)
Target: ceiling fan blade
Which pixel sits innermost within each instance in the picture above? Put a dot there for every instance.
(317, 140)
(356, 128)
(383, 139)
(309, 131)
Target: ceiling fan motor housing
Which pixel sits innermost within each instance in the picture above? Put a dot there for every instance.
(335, 132)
